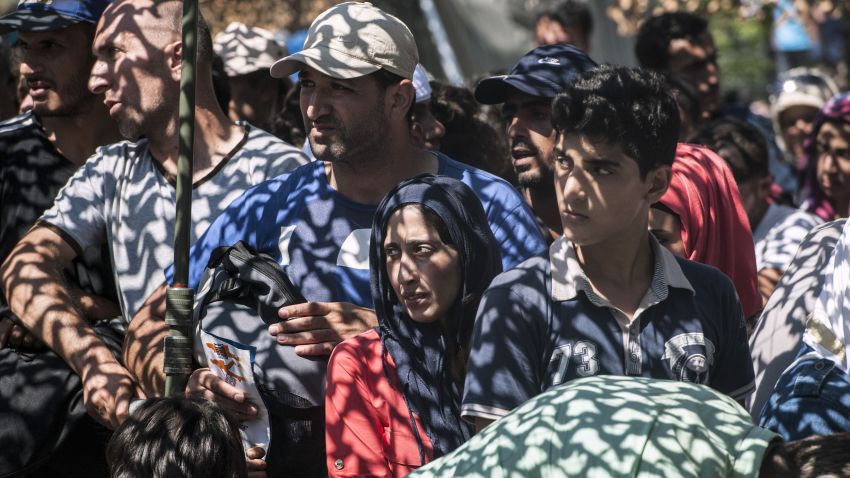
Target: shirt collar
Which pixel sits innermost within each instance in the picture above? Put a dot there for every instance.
(568, 278)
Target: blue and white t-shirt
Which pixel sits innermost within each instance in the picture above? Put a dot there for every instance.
(541, 324)
(321, 238)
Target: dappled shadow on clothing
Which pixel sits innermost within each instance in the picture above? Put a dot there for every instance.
(778, 333)
(613, 426)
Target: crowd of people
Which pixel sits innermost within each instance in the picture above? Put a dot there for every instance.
(568, 269)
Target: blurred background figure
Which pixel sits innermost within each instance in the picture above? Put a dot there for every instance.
(248, 53)
(701, 218)
(564, 21)
(468, 138)
(793, 34)
(426, 131)
(795, 100)
(777, 230)
(826, 187)
(288, 124)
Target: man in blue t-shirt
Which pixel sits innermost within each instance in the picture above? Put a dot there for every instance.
(607, 299)
(356, 98)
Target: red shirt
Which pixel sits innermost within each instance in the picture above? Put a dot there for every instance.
(367, 423)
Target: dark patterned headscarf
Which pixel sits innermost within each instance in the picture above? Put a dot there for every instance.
(836, 110)
(424, 353)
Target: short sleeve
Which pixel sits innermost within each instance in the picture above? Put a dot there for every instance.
(236, 223)
(353, 432)
(506, 358)
(78, 211)
(733, 374)
(515, 229)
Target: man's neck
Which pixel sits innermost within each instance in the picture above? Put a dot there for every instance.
(620, 269)
(77, 136)
(545, 205)
(367, 180)
(758, 216)
(215, 138)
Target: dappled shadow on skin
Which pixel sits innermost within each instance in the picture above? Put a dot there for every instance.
(612, 426)
(777, 336)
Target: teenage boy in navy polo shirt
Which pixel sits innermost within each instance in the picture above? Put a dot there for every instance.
(607, 299)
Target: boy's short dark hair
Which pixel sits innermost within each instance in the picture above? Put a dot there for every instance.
(656, 33)
(739, 143)
(815, 456)
(185, 437)
(628, 107)
(569, 14)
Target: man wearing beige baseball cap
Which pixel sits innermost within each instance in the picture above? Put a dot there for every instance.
(356, 100)
(247, 53)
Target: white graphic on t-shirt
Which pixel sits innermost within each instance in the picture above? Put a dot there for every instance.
(583, 353)
(690, 357)
(283, 244)
(354, 252)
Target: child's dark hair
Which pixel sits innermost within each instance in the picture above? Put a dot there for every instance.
(184, 437)
(627, 107)
(739, 143)
(653, 39)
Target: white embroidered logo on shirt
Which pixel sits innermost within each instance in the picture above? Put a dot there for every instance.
(690, 357)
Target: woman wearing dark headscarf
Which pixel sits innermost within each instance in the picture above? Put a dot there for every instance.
(701, 217)
(826, 187)
(393, 394)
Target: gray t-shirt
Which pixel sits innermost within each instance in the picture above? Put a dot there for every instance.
(779, 234)
(122, 197)
(777, 336)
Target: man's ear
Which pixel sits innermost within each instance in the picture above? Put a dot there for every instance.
(174, 57)
(403, 97)
(659, 180)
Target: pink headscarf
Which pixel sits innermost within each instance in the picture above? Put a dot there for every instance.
(715, 229)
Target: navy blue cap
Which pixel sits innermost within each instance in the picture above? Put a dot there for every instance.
(45, 15)
(544, 71)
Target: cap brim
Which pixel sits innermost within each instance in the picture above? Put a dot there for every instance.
(35, 21)
(494, 90)
(325, 61)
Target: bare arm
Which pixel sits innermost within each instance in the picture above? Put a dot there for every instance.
(768, 278)
(36, 292)
(144, 348)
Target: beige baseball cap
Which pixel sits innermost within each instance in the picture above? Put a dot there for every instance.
(353, 39)
(245, 49)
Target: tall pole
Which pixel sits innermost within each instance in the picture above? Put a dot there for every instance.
(180, 298)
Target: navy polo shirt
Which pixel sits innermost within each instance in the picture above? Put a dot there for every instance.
(541, 324)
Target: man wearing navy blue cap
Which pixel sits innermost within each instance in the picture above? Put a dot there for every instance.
(526, 93)
(41, 149)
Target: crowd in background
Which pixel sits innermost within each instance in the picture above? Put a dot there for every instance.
(480, 279)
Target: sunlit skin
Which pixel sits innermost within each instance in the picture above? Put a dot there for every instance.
(54, 66)
(528, 123)
(667, 228)
(600, 192)
(424, 271)
(695, 62)
(795, 125)
(343, 117)
(833, 167)
(133, 73)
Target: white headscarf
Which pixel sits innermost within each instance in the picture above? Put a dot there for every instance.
(828, 326)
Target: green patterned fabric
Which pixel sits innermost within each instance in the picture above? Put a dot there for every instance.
(614, 426)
